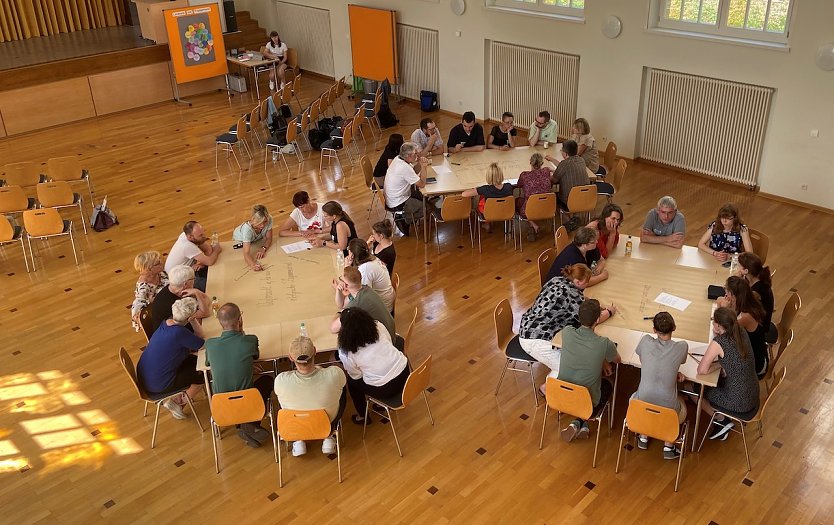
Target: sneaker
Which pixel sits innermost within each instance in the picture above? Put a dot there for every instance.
(584, 432)
(642, 442)
(671, 453)
(252, 442)
(722, 429)
(328, 446)
(570, 431)
(272, 85)
(174, 408)
(299, 448)
(255, 431)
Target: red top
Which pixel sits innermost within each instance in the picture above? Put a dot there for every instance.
(603, 239)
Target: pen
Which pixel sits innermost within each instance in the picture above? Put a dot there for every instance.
(696, 353)
(648, 318)
(695, 358)
(456, 164)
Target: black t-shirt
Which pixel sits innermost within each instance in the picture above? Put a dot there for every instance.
(489, 191)
(499, 138)
(458, 135)
(387, 255)
(351, 236)
(569, 256)
(766, 296)
(161, 308)
(382, 164)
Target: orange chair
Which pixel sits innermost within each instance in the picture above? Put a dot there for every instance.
(235, 408)
(455, 208)
(13, 200)
(546, 259)
(502, 209)
(507, 341)
(10, 233)
(59, 195)
(22, 174)
(305, 425)
(44, 223)
(69, 169)
(539, 207)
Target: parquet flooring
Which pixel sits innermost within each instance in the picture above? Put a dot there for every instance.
(74, 447)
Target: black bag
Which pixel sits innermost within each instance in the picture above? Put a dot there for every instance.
(428, 101)
(285, 111)
(386, 117)
(316, 138)
(103, 217)
(277, 123)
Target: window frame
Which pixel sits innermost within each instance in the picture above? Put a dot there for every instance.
(538, 9)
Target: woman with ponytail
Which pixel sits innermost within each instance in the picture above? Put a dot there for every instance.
(751, 315)
(757, 275)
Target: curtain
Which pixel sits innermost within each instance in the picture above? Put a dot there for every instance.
(21, 19)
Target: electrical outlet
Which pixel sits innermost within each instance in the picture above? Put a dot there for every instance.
(804, 186)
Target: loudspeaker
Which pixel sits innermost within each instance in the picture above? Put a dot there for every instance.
(231, 19)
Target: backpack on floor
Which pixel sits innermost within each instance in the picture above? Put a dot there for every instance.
(386, 117)
(316, 138)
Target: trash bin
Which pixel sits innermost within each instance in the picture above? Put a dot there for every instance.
(370, 85)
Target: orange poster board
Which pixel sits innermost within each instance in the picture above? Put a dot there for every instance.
(373, 43)
(195, 39)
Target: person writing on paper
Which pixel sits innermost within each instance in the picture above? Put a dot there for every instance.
(544, 129)
(503, 135)
(583, 250)
(608, 226)
(533, 182)
(276, 50)
(257, 229)
(664, 224)
(306, 220)
(738, 391)
(342, 230)
(495, 188)
(427, 136)
(751, 315)
(726, 235)
(403, 179)
(660, 359)
(466, 136)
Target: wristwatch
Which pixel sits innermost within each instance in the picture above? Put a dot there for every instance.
(324, 243)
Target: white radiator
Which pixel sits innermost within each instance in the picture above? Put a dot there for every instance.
(419, 58)
(706, 125)
(524, 81)
(307, 29)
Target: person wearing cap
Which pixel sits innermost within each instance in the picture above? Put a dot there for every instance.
(230, 357)
(350, 292)
(311, 387)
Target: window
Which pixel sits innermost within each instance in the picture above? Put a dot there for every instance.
(568, 9)
(752, 20)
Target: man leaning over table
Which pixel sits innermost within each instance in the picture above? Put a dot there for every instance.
(193, 248)
(351, 293)
(427, 136)
(405, 175)
(231, 357)
(664, 224)
(544, 129)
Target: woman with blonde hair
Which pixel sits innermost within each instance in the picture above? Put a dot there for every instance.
(258, 229)
(535, 181)
(726, 235)
(152, 278)
(495, 188)
(581, 134)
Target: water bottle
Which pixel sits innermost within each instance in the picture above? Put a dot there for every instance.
(594, 267)
(274, 156)
(734, 264)
(546, 144)
(215, 305)
(629, 246)
(303, 331)
(340, 260)
(215, 239)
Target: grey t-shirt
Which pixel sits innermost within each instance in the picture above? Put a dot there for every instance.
(656, 226)
(660, 361)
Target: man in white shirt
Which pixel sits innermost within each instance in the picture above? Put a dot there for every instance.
(428, 138)
(544, 129)
(193, 248)
(405, 171)
(276, 50)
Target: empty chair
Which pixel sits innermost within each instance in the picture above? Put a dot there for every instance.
(507, 342)
(60, 195)
(228, 141)
(23, 174)
(11, 233)
(296, 89)
(540, 207)
(784, 344)
(305, 425)
(13, 200)
(235, 408)
(44, 223)
(340, 91)
(761, 243)
(408, 333)
(546, 259)
(582, 199)
(609, 159)
(455, 208)
(611, 185)
(789, 311)
(368, 172)
(255, 124)
(562, 240)
(69, 169)
(371, 115)
(502, 209)
(292, 61)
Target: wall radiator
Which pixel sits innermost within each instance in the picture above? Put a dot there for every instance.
(705, 125)
(419, 58)
(525, 80)
(307, 29)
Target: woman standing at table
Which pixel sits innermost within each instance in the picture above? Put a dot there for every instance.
(738, 388)
(381, 245)
(152, 279)
(276, 50)
(726, 235)
(495, 188)
(533, 182)
(581, 134)
(257, 228)
(305, 220)
(608, 226)
(751, 314)
(374, 272)
(751, 269)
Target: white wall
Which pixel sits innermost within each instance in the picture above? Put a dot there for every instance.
(611, 73)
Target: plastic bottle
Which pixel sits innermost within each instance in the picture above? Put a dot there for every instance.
(628, 247)
(546, 144)
(274, 156)
(303, 331)
(340, 260)
(215, 305)
(734, 264)
(215, 239)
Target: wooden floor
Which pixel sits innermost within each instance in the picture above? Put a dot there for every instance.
(74, 447)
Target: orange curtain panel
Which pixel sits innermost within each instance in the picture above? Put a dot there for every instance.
(21, 19)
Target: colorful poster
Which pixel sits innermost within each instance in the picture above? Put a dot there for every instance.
(195, 40)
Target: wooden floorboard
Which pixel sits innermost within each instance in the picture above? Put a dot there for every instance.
(74, 447)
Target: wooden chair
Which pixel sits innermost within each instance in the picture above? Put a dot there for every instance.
(333, 153)
(562, 239)
(789, 311)
(44, 223)
(371, 115)
(611, 185)
(11, 233)
(305, 425)
(395, 284)
(69, 169)
(235, 408)
(540, 207)
(23, 174)
(292, 60)
(771, 367)
(368, 172)
(761, 243)
(609, 158)
(293, 131)
(255, 124)
(574, 400)
(13, 200)
(273, 147)
(582, 199)
(502, 209)
(546, 259)
(157, 399)
(507, 342)
(228, 140)
(416, 384)
(315, 110)
(741, 421)
(407, 338)
(656, 422)
(455, 208)
(400, 215)
(296, 89)
(340, 91)
(59, 195)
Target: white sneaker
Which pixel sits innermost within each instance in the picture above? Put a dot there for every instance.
(175, 409)
(299, 448)
(328, 446)
(272, 85)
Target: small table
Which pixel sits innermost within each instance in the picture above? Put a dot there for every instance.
(253, 64)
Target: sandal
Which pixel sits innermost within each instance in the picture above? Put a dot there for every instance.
(360, 420)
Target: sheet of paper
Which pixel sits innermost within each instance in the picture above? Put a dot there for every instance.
(672, 301)
(296, 247)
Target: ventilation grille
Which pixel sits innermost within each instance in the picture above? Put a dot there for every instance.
(419, 58)
(307, 29)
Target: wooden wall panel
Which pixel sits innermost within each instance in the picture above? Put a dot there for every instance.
(38, 107)
(148, 85)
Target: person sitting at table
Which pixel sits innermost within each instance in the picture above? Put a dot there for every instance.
(738, 390)
(586, 356)
(403, 180)
(342, 230)
(257, 229)
(392, 149)
(664, 224)
(757, 275)
(660, 359)
(751, 315)
(608, 226)
(556, 307)
(570, 172)
(495, 188)
(583, 250)
(375, 367)
(311, 387)
(231, 356)
(151, 280)
(586, 144)
(193, 248)
(168, 363)
(428, 138)
(276, 50)
(374, 273)
(351, 293)
(544, 129)
(381, 244)
(466, 136)
(180, 284)
(502, 136)
(306, 220)
(726, 235)
(533, 182)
